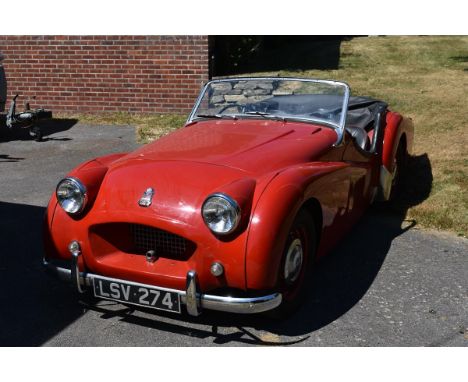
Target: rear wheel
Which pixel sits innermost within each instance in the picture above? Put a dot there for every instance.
(296, 265)
(398, 168)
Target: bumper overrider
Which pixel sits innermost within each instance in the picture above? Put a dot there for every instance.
(191, 297)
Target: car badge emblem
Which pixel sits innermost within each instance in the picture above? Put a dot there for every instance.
(146, 199)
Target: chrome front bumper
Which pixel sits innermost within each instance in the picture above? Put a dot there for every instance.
(191, 297)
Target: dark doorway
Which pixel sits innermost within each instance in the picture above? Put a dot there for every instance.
(3, 85)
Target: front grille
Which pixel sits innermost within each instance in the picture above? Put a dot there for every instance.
(147, 238)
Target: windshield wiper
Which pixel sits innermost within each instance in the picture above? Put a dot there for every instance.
(218, 116)
(265, 115)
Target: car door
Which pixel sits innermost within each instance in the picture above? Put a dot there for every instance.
(361, 191)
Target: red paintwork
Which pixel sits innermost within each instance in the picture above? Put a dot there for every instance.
(393, 133)
(270, 167)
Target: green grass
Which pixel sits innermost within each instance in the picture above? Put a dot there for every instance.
(148, 126)
(425, 78)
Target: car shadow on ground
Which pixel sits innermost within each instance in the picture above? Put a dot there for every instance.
(48, 128)
(339, 281)
(36, 307)
(33, 307)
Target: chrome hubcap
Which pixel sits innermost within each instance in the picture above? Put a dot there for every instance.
(293, 262)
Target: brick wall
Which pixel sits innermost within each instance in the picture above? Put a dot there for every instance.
(149, 74)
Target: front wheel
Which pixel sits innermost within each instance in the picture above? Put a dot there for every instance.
(298, 258)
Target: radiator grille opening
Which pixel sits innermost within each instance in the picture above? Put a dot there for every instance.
(147, 238)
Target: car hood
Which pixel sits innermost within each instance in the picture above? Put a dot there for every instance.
(180, 188)
(186, 166)
(252, 145)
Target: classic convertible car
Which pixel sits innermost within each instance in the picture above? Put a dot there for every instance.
(231, 211)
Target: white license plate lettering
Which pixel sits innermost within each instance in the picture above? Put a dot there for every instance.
(135, 294)
(115, 290)
(145, 294)
(167, 300)
(156, 296)
(126, 291)
(101, 289)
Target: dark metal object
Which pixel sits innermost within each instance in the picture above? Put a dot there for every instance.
(151, 256)
(27, 119)
(147, 239)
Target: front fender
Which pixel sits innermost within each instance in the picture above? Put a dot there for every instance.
(273, 216)
(91, 174)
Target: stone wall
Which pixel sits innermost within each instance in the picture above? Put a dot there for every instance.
(246, 91)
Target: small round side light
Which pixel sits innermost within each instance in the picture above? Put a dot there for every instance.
(217, 269)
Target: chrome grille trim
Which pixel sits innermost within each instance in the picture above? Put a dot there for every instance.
(148, 238)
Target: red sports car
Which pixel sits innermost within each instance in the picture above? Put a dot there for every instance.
(229, 212)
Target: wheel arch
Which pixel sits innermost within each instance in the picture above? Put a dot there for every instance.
(290, 191)
(399, 129)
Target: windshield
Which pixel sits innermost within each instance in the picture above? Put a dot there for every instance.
(317, 101)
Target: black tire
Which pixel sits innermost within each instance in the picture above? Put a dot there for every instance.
(36, 133)
(294, 292)
(400, 163)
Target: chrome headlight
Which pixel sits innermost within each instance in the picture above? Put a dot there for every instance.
(71, 195)
(221, 213)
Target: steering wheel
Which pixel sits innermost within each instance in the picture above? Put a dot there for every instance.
(325, 113)
(240, 108)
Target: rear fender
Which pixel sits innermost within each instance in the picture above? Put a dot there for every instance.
(398, 129)
(273, 216)
(391, 138)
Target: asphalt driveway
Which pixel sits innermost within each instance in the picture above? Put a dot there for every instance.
(383, 286)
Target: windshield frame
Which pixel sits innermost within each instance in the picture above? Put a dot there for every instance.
(338, 127)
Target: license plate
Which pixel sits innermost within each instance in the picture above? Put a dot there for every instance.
(136, 294)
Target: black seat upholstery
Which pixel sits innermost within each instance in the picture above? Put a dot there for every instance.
(360, 136)
(363, 115)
